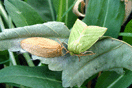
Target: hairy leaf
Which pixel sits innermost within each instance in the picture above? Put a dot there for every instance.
(110, 54)
(10, 39)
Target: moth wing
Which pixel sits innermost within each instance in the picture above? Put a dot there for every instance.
(74, 35)
(89, 36)
(82, 37)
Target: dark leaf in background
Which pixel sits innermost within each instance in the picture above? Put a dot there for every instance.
(21, 13)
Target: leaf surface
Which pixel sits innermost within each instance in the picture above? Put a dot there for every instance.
(44, 8)
(113, 80)
(10, 39)
(106, 13)
(128, 28)
(34, 77)
(125, 34)
(64, 12)
(110, 53)
(21, 13)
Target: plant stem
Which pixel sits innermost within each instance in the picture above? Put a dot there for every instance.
(3, 13)
(60, 10)
(12, 58)
(66, 18)
(28, 59)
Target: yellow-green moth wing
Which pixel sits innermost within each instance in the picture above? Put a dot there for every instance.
(82, 37)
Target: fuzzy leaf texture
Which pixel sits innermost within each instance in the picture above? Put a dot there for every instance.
(10, 39)
(110, 55)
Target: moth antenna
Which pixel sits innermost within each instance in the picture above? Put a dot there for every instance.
(65, 43)
(59, 40)
(63, 47)
(66, 53)
(62, 44)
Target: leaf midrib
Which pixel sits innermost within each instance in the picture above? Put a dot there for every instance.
(24, 20)
(36, 77)
(93, 59)
(51, 10)
(106, 13)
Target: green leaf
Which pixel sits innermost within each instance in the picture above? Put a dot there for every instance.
(113, 80)
(21, 13)
(3, 62)
(126, 34)
(34, 77)
(63, 7)
(110, 54)
(10, 39)
(128, 28)
(44, 8)
(82, 37)
(107, 79)
(106, 13)
(4, 57)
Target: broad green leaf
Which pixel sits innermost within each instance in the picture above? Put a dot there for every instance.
(110, 54)
(34, 77)
(107, 79)
(106, 13)
(21, 13)
(10, 39)
(64, 11)
(44, 8)
(124, 81)
(82, 37)
(128, 28)
(113, 80)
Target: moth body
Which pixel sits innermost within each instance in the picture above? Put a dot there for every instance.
(42, 47)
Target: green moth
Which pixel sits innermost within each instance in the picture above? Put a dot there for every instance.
(82, 37)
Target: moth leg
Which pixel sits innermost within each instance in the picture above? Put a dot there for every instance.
(84, 54)
(62, 45)
(79, 58)
(66, 53)
(87, 52)
(59, 40)
(65, 43)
